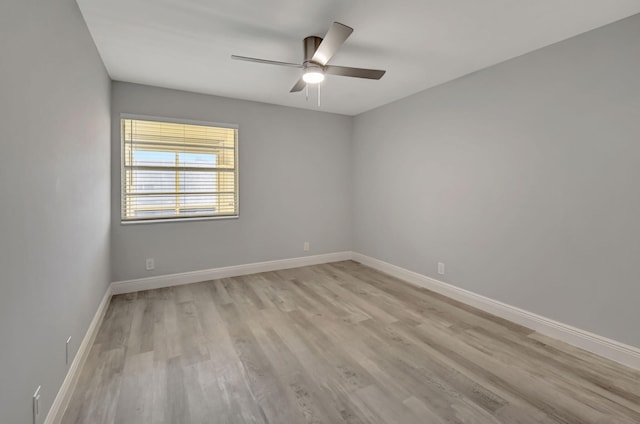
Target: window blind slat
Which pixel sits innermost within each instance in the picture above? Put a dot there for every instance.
(177, 168)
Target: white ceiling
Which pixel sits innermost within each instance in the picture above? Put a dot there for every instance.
(187, 44)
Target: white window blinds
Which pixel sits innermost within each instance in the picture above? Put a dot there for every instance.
(174, 170)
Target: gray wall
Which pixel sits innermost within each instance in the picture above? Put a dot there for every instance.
(521, 178)
(294, 186)
(54, 190)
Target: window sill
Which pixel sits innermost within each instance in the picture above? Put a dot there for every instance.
(160, 221)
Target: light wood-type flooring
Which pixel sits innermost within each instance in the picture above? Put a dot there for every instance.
(334, 343)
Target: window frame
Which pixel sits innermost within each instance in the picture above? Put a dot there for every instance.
(154, 118)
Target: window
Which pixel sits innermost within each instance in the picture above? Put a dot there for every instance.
(174, 170)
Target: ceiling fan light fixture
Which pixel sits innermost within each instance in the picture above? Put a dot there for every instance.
(313, 76)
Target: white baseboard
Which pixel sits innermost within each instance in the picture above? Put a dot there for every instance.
(602, 346)
(63, 397)
(148, 283)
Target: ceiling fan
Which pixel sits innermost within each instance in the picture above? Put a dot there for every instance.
(317, 53)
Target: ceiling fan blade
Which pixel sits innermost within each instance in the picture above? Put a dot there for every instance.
(265, 61)
(298, 86)
(346, 71)
(335, 37)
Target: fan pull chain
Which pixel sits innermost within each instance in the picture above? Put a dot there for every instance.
(319, 95)
(306, 90)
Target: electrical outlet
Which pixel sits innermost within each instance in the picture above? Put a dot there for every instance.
(440, 268)
(67, 353)
(150, 264)
(305, 247)
(36, 405)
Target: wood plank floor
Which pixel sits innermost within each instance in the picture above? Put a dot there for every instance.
(335, 343)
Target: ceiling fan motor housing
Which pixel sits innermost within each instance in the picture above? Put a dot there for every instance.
(313, 72)
(311, 44)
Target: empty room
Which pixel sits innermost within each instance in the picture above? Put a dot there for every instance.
(298, 212)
